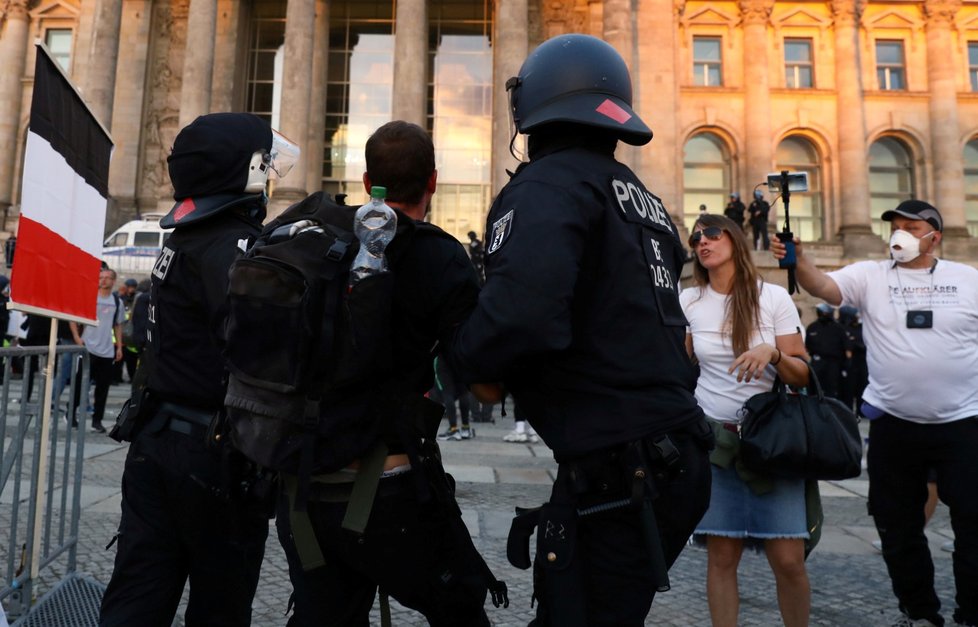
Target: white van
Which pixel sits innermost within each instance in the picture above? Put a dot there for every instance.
(134, 246)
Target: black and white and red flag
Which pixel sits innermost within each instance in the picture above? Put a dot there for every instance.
(65, 191)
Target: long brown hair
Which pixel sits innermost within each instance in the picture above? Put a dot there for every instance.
(743, 308)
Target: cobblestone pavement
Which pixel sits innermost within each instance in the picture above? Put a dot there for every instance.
(849, 580)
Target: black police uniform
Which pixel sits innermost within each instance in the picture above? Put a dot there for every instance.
(825, 341)
(580, 318)
(857, 372)
(411, 546)
(735, 210)
(759, 211)
(179, 518)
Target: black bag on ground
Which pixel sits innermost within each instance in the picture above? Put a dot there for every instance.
(309, 358)
(800, 436)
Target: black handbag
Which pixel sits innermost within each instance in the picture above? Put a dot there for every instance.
(800, 436)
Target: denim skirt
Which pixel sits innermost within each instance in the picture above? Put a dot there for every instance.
(736, 512)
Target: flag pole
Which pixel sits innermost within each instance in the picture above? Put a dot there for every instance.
(42, 467)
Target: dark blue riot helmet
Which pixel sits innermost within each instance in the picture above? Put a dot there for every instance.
(848, 315)
(579, 79)
(825, 311)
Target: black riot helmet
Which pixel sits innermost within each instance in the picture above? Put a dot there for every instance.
(580, 79)
(222, 160)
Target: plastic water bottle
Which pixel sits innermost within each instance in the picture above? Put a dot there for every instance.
(374, 224)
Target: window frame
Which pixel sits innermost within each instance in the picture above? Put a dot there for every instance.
(707, 64)
(797, 65)
(973, 66)
(57, 56)
(890, 69)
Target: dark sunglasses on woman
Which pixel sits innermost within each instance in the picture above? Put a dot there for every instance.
(712, 233)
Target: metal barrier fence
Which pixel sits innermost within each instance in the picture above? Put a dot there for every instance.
(54, 518)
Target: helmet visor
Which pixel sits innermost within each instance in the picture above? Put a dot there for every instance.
(283, 155)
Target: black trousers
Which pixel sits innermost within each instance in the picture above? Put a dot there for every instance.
(173, 529)
(618, 585)
(901, 453)
(829, 373)
(760, 233)
(411, 550)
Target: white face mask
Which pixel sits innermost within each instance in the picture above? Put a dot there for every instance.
(904, 247)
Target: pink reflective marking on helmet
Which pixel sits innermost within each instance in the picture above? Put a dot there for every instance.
(185, 207)
(613, 111)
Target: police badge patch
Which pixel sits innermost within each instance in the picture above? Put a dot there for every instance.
(501, 229)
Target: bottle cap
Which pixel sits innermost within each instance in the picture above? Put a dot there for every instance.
(378, 191)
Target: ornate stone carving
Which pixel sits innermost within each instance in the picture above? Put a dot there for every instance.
(941, 12)
(565, 16)
(847, 12)
(678, 8)
(756, 11)
(14, 9)
(161, 122)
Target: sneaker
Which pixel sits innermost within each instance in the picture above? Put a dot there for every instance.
(948, 546)
(534, 438)
(517, 437)
(467, 433)
(98, 428)
(451, 434)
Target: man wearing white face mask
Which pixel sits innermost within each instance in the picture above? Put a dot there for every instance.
(920, 326)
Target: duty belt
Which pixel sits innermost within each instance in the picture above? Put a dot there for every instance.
(187, 420)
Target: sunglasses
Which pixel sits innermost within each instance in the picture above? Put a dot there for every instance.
(712, 233)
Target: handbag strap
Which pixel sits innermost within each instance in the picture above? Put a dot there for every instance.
(779, 386)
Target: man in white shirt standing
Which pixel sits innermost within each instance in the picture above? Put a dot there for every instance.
(920, 325)
(104, 344)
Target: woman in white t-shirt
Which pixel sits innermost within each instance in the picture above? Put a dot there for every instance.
(743, 331)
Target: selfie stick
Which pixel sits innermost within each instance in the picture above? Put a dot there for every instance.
(790, 260)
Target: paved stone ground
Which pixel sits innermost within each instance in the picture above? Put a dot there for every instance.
(849, 581)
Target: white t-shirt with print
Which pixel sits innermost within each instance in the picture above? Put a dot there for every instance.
(719, 393)
(921, 375)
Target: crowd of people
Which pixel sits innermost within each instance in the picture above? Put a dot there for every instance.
(572, 306)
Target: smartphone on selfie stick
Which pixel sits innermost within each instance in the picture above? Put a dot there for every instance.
(786, 182)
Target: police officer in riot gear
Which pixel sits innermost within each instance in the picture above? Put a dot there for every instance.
(580, 319)
(825, 341)
(187, 512)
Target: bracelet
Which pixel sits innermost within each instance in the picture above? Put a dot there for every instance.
(775, 363)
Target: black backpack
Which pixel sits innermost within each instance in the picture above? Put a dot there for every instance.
(309, 359)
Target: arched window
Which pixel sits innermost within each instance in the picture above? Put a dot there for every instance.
(797, 154)
(706, 176)
(971, 186)
(890, 180)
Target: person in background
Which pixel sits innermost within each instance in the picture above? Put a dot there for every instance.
(759, 210)
(825, 341)
(920, 325)
(742, 332)
(735, 210)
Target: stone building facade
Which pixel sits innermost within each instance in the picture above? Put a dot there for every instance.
(877, 100)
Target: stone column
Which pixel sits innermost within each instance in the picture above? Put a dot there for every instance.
(411, 62)
(857, 234)
(945, 132)
(509, 50)
(198, 61)
(657, 93)
(617, 26)
(300, 28)
(315, 139)
(127, 127)
(103, 54)
(757, 104)
(13, 55)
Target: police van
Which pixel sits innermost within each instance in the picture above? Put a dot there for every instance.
(134, 246)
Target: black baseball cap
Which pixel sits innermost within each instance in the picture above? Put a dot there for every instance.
(916, 210)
